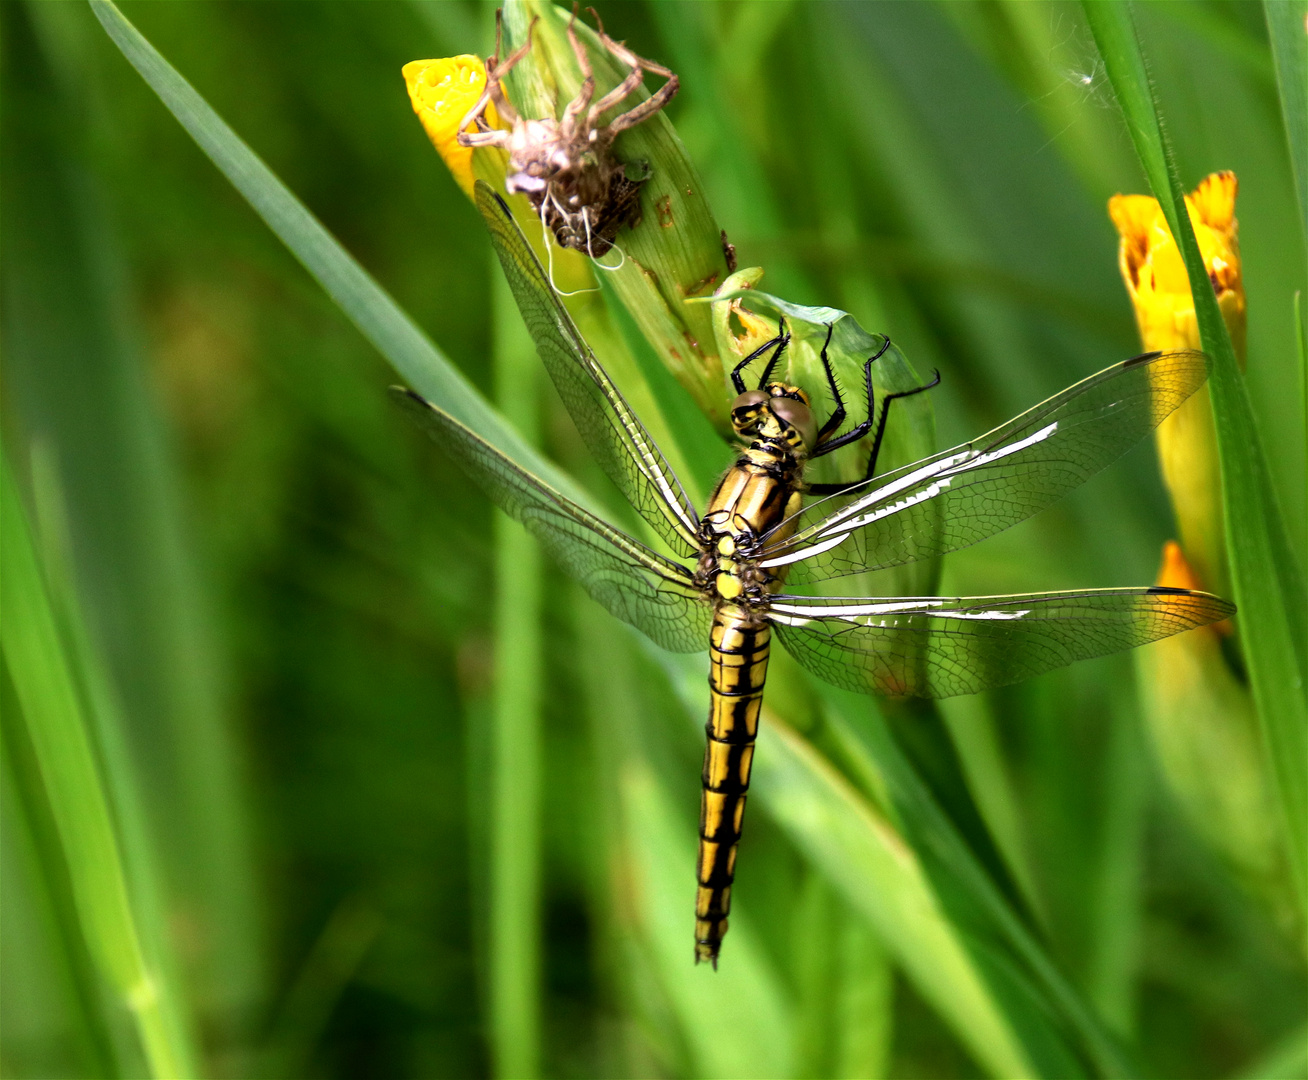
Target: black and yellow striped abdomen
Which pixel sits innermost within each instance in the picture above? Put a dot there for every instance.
(738, 665)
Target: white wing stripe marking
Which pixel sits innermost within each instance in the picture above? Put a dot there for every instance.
(648, 461)
(941, 469)
(857, 609)
(865, 616)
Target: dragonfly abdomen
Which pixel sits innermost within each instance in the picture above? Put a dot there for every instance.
(738, 663)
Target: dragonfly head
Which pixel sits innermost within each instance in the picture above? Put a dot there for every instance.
(781, 413)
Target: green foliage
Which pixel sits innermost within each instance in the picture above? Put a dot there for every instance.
(1269, 584)
(375, 791)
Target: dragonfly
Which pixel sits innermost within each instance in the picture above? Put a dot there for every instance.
(724, 590)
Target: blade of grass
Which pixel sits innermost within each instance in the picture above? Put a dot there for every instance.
(365, 303)
(865, 1011)
(1287, 30)
(57, 726)
(1287, 1060)
(515, 928)
(1268, 584)
(79, 383)
(1003, 949)
(1115, 906)
(881, 878)
(818, 921)
(973, 728)
(745, 993)
(327, 970)
(51, 1019)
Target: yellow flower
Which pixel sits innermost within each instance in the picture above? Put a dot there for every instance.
(443, 92)
(1155, 274)
(1156, 280)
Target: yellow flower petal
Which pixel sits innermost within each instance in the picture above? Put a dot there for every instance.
(1155, 274)
(1159, 288)
(442, 92)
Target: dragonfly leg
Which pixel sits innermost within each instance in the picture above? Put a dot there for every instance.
(837, 416)
(855, 433)
(780, 341)
(836, 489)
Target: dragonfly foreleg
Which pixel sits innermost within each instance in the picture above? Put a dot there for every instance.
(863, 428)
(837, 416)
(854, 434)
(780, 341)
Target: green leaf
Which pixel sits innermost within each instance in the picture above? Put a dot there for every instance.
(366, 303)
(1009, 959)
(80, 386)
(122, 941)
(881, 878)
(1287, 30)
(1269, 587)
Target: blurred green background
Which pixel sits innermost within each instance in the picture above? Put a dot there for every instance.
(285, 597)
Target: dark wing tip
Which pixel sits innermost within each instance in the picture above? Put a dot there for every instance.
(408, 399)
(1158, 354)
(426, 415)
(1205, 608)
(484, 193)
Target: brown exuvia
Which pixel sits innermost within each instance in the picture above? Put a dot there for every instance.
(566, 167)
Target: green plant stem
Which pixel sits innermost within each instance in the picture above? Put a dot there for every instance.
(57, 727)
(516, 738)
(1268, 584)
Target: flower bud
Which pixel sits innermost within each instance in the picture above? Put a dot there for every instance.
(1156, 281)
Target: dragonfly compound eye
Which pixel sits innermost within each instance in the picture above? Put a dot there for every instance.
(797, 415)
(747, 408)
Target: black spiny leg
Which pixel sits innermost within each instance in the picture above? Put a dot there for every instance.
(856, 433)
(861, 430)
(784, 340)
(780, 341)
(837, 416)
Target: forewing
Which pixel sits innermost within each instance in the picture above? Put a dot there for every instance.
(961, 496)
(638, 585)
(612, 432)
(938, 647)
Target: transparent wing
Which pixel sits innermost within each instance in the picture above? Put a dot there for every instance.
(963, 495)
(638, 585)
(938, 647)
(612, 432)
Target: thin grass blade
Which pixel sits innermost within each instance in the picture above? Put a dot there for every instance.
(1287, 30)
(368, 306)
(516, 766)
(45, 678)
(79, 384)
(1269, 587)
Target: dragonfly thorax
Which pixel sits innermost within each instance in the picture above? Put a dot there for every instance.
(758, 493)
